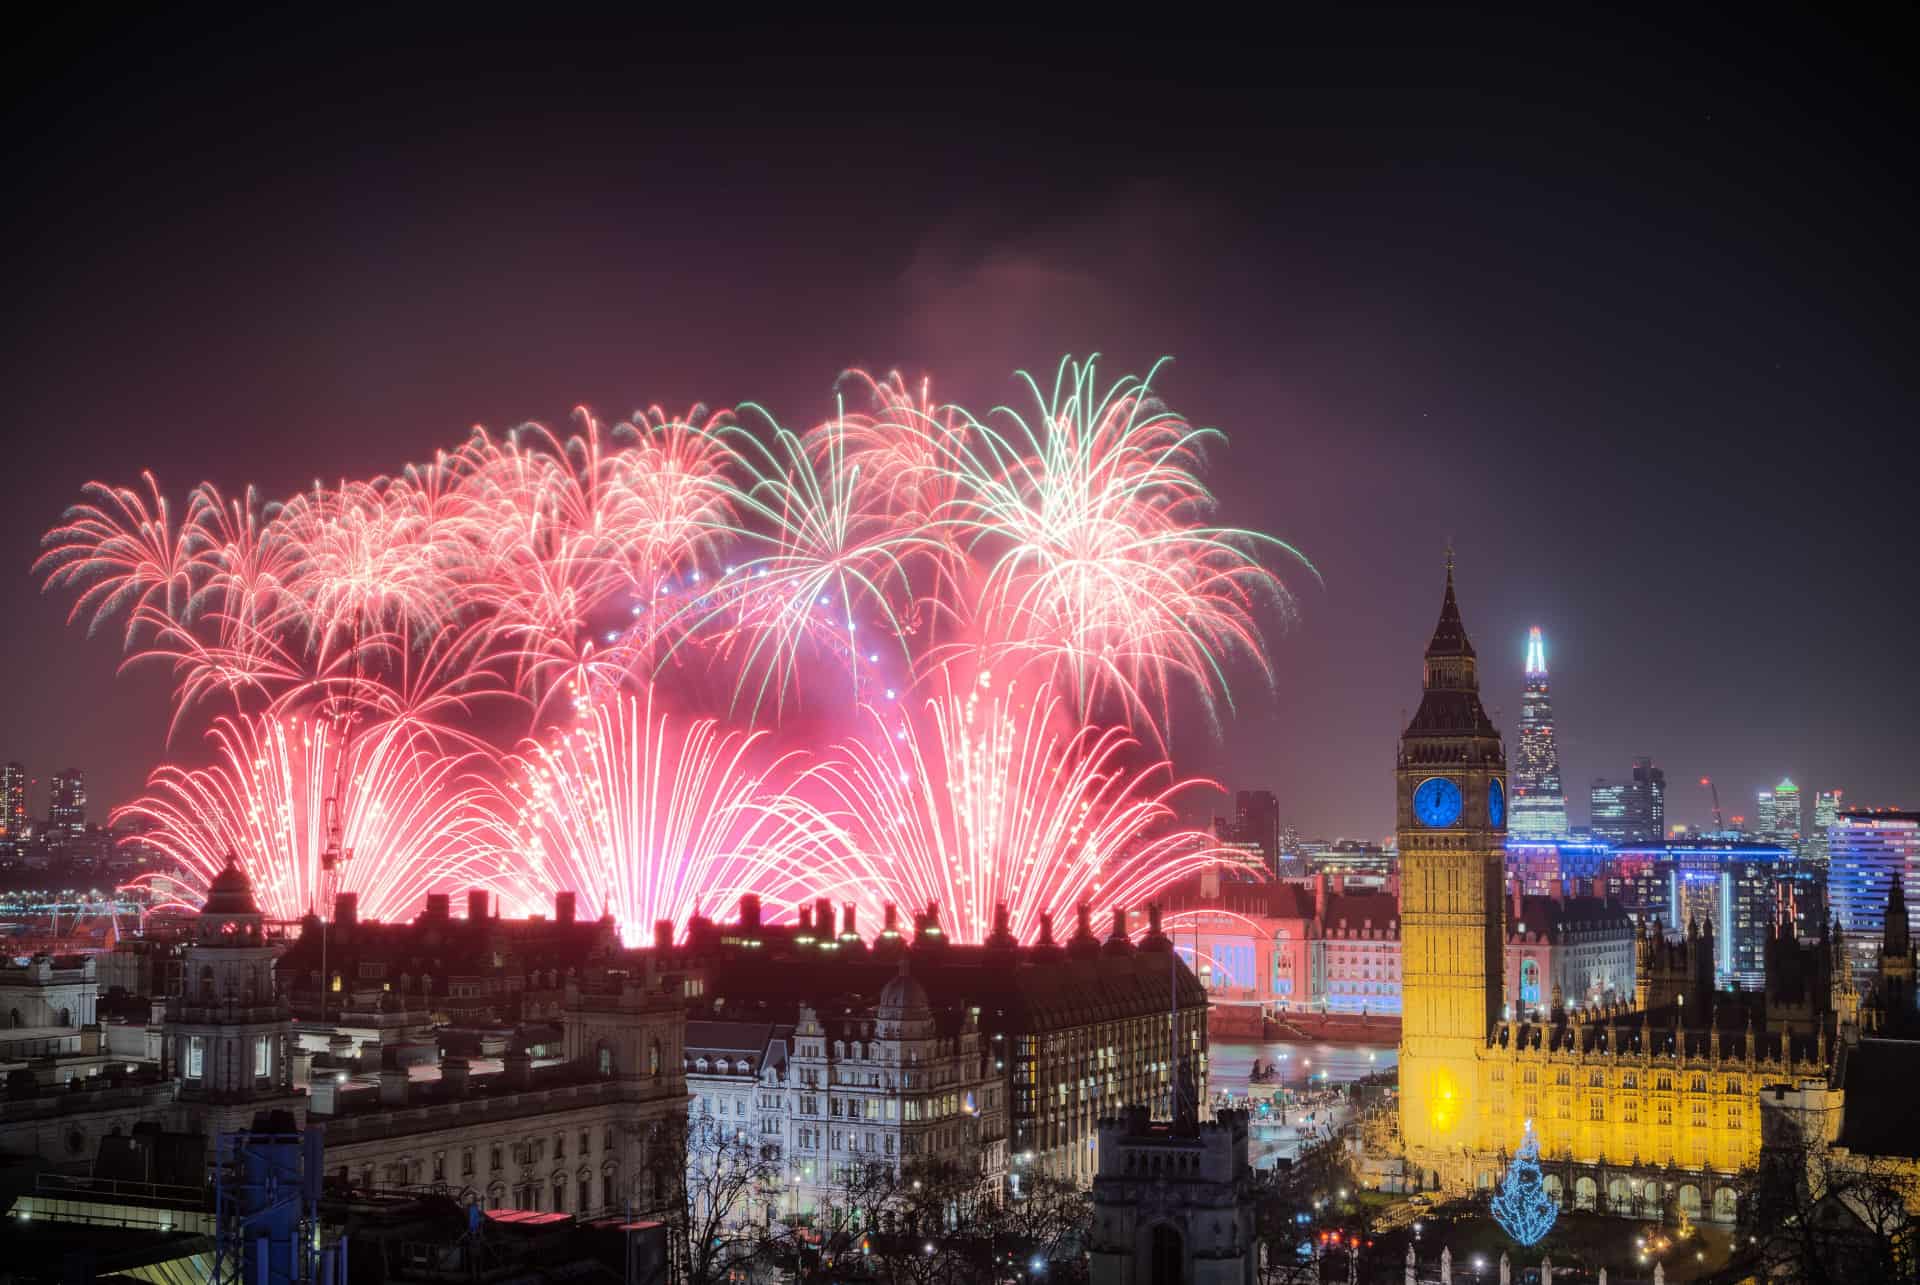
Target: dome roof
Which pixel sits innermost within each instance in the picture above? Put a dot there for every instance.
(230, 893)
(903, 999)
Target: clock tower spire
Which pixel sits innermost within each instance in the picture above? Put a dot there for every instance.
(1451, 821)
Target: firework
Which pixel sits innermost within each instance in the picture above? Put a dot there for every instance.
(407, 825)
(986, 797)
(122, 552)
(1004, 608)
(650, 817)
(1098, 564)
(822, 566)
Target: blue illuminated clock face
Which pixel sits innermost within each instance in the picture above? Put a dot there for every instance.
(1436, 802)
(1496, 804)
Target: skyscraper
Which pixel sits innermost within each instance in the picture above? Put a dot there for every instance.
(1785, 829)
(1647, 800)
(1826, 813)
(1257, 820)
(13, 801)
(1870, 850)
(1607, 811)
(67, 801)
(1630, 811)
(1539, 806)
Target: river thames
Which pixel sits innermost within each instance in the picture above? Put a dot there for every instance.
(1231, 1064)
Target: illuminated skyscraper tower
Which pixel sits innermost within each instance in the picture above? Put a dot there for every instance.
(13, 802)
(1826, 813)
(1786, 815)
(1539, 806)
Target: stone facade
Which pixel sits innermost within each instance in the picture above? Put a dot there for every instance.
(1173, 1203)
(593, 1133)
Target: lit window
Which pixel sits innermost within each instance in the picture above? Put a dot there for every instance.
(196, 1056)
(263, 1054)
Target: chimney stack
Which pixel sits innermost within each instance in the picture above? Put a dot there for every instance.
(663, 934)
(750, 911)
(564, 904)
(848, 922)
(346, 909)
(476, 905)
(439, 906)
(393, 1086)
(823, 918)
(519, 1072)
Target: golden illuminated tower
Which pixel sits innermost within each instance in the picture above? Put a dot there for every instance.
(1451, 820)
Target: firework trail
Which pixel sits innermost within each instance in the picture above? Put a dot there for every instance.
(649, 817)
(986, 797)
(409, 822)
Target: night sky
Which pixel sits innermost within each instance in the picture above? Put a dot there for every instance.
(1617, 308)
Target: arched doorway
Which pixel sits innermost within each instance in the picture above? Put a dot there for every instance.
(1690, 1199)
(1555, 1189)
(1650, 1201)
(1726, 1204)
(1586, 1192)
(1619, 1197)
(1167, 1257)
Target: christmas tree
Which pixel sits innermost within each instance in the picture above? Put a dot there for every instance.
(1522, 1205)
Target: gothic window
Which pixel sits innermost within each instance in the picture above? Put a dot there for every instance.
(493, 1160)
(1733, 1115)
(466, 1162)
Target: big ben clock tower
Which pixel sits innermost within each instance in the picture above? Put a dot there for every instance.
(1451, 780)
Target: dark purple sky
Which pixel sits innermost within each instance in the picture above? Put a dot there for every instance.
(1617, 307)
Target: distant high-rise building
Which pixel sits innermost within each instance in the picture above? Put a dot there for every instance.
(1607, 811)
(1633, 810)
(1826, 812)
(1785, 829)
(13, 801)
(1647, 801)
(1539, 805)
(1870, 849)
(67, 801)
(1257, 820)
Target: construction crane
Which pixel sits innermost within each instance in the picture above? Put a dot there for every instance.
(1719, 824)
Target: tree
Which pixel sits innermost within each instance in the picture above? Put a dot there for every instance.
(1826, 1217)
(937, 1223)
(1522, 1205)
(727, 1184)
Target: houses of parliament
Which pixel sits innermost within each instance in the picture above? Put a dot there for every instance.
(1635, 1105)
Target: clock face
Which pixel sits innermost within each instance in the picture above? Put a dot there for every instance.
(1496, 804)
(1436, 802)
